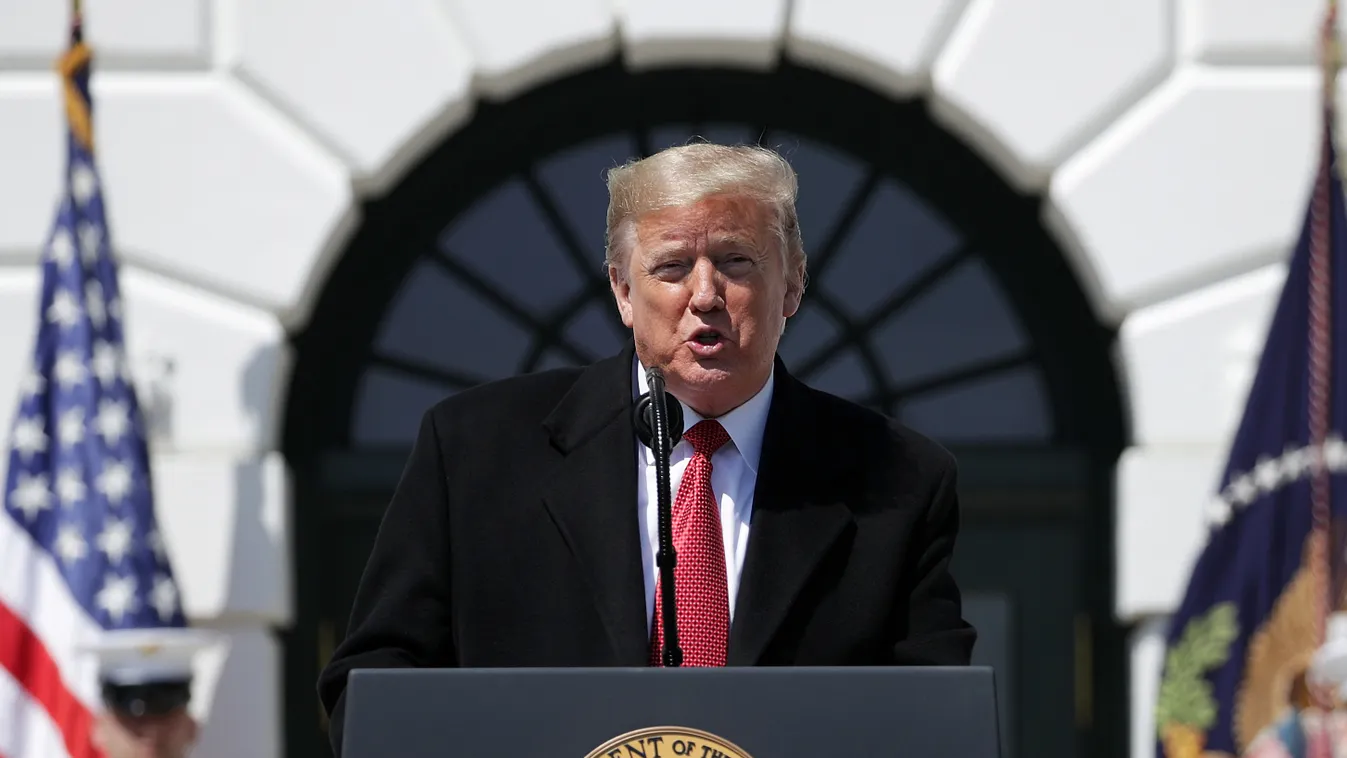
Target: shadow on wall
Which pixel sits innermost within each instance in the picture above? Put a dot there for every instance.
(258, 588)
(244, 704)
(239, 692)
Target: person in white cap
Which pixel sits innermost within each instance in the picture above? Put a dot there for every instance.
(1304, 729)
(145, 677)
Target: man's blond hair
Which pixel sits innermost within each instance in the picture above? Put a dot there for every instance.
(683, 175)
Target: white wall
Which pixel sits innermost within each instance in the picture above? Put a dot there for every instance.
(1173, 139)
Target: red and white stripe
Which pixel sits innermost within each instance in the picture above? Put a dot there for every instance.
(48, 688)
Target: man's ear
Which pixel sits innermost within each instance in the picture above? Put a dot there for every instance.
(621, 286)
(795, 283)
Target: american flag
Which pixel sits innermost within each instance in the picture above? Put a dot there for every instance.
(80, 551)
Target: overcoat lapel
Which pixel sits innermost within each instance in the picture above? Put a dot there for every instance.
(795, 521)
(591, 496)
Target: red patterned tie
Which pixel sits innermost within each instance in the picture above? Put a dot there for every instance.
(703, 596)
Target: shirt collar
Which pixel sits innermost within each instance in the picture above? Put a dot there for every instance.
(744, 424)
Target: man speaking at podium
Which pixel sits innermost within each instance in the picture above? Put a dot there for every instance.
(807, 530)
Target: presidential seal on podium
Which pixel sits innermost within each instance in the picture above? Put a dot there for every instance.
(668, 742)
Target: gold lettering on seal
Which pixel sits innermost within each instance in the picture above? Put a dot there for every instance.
(668, 742)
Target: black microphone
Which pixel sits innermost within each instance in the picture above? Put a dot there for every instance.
(644, 416)
(659, 426)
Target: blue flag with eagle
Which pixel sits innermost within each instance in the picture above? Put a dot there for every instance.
(1251, 617)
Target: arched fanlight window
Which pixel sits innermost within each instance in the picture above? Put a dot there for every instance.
(901, 313)
(927, 274)
(935, 295)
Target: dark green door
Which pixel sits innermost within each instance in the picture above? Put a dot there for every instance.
(1020, 585)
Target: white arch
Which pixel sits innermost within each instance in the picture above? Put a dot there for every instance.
(1173, 144)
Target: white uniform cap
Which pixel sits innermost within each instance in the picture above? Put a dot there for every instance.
(1328, 666)
(133, 657)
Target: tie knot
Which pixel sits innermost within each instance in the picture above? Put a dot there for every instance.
(706, 437)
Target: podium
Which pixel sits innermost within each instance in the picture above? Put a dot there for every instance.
(733, 712)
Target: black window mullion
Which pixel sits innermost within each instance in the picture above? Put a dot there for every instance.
(968, 373)
(509, 307)
(570, 241)
(849, 337)
(562, 314)
(456, 379)
(841, 227)
(899, 300)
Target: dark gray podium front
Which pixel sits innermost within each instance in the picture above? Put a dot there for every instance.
(736, 712)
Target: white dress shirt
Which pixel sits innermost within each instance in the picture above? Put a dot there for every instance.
(734, 474)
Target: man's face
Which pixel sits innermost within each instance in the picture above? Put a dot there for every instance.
(121, 735)
(706, 295)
